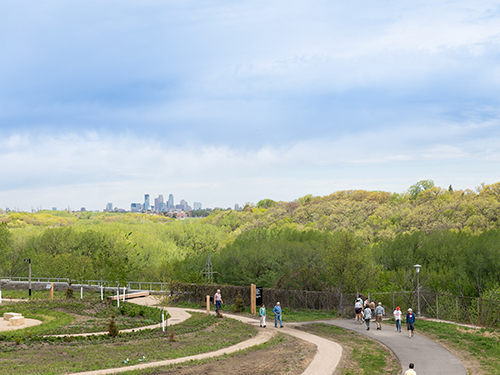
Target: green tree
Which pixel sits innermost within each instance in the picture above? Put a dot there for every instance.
(420, 186)
(350, 263)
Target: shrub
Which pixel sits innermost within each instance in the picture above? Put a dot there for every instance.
(112, 328)
(69, 293)
(171, 336)
(239, 305)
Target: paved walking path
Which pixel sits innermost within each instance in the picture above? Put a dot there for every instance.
(328, 353)
(429, 357)
(324, 362)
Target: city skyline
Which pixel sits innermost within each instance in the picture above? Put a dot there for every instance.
(226, 102)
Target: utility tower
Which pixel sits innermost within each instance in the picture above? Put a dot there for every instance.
(208, 271)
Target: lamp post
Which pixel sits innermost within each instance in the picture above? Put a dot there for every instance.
(29, 275)
(417, 268)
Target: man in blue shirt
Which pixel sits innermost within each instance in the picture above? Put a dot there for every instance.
(277, 315)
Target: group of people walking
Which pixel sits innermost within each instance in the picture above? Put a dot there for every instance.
(366, 311)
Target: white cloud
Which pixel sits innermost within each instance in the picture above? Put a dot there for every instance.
(90, 169)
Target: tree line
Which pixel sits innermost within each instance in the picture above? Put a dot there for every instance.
(347, 241)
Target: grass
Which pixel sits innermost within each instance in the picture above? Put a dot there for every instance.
(59, 316)
(288, 315)
(478, 349)
(361, 355)
(198, 334)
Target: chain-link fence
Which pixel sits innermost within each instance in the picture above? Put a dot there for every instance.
(444, 306)
(438, 305)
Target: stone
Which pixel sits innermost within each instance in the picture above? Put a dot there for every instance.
(10, 315)
(16, 321)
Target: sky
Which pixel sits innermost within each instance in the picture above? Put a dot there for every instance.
(224, 102)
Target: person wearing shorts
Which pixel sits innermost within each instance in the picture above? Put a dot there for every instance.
(410, 322)
(358, 309)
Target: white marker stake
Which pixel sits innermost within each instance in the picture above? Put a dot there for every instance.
(163, 321)
(81, 292)
(101, 293)
(0, 296)
(118, 296)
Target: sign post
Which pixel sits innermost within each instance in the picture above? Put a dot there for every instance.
(208, 304)
(259, 293)
(50, 286)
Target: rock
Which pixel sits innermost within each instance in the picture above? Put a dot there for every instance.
(16, 321)
(10, 315)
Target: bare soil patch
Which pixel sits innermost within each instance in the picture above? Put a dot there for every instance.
(291, 356)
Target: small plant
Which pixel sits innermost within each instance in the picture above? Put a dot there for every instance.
(112, 328)
(18, 340)
(239, 305)
(69, 293)
(171, 336)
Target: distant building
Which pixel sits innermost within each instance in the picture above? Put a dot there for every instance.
(109, 207)
(146, 202)
(236, 207)
(196, 206)
(135, 207)
(54, 208)
(83, 209)
(184, 205)
(170, 203)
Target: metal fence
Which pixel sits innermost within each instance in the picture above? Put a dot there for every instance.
(433, 304)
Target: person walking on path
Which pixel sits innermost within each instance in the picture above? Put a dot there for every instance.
(358, 310)
(379, 315)
(411, 371)
(372, 308)
(368, 316)
(397, 318)
(218, 301)
(277, 315)
(262, 314)
(410, 322)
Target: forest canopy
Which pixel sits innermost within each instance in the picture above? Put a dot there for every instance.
(348, 241)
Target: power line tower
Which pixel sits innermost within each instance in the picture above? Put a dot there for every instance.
(208, 271)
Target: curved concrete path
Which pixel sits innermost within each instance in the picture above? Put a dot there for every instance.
(429, 357)
(328, 353)
(324, 362)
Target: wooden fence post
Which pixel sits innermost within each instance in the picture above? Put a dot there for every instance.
(253, 300)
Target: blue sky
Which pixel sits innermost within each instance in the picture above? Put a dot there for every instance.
(231, 102)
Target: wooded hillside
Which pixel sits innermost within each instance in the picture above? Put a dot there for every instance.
(349, 240)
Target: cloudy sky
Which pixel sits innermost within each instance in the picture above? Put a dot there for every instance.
(226, 102)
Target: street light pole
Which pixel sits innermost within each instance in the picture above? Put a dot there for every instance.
(29, 274)
(417, 268)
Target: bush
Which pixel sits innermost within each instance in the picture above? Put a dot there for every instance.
(112, 328)
(69, 293)
(239, 305)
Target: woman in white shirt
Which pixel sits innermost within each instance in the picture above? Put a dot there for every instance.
(397, 318)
